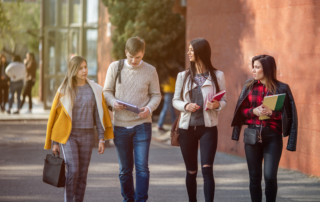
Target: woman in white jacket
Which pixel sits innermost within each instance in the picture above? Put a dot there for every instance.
(194, 89)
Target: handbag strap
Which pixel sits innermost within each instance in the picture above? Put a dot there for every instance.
(177, 125)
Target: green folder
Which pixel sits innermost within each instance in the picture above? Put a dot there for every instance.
(274, 102)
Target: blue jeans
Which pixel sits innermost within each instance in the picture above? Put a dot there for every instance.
(15, 87)
(133, 148)
(167, 105)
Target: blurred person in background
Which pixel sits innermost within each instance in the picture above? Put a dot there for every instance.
(31, 67)
(4, 79)
(168, 89)
(17, 73)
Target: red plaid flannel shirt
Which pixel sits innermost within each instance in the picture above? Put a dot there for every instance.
(254, 99)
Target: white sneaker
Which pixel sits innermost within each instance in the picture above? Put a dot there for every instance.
(29, 112)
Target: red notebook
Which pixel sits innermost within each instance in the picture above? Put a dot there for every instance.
(217, 96)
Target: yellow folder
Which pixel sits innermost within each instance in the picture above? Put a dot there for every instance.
(274, 102)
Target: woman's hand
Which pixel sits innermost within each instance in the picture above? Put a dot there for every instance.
(266, 111)
(101, 147)
(192, 107)
(257, 111)
(213, 105)
(56, 149)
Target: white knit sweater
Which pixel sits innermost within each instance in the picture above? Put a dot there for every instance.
(139, 86)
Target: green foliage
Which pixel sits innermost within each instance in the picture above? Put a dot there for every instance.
(35, 88)
(4, 22)
(20, 31)
(162, 30)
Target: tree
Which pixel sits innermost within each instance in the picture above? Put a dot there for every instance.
(154, 21)
(19, 27)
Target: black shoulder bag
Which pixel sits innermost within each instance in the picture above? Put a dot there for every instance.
(252, 136)
(120, 67)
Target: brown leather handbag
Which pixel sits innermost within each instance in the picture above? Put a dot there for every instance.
(175, 132)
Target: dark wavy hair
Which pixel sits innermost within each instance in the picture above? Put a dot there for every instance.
(202, 52)
(269, 70)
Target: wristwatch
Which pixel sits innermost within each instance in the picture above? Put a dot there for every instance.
(102, 141)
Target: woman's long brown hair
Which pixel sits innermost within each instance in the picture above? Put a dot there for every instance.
(202, 52)
(269, 70)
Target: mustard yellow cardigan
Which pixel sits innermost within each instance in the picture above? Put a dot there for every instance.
(60, 118)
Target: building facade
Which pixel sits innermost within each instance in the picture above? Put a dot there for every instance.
(69, 28)
(288, 30)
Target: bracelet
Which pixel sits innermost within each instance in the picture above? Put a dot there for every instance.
(102, 141)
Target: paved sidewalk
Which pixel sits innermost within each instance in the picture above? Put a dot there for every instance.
(38, 113)
(21, 165)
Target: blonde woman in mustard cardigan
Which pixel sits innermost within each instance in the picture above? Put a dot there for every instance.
(78, 105)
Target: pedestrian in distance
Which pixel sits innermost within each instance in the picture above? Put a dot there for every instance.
(31, 68)
(193, 91)
(137, 83)
(285, 122)
(78, 105)
(168, 89)
(4, 80)
(17, 73)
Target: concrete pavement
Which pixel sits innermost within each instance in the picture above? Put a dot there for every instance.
(21, 164)
(38, 113)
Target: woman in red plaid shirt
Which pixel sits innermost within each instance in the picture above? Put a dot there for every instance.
(248, 110)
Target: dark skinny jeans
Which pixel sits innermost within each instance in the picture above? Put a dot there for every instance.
(208, 137)
(27, 92)
(269, 151)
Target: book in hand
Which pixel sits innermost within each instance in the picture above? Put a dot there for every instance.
(274, 102)
(217, 96)
(129, 107)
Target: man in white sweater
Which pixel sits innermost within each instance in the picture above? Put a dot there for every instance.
(137, 84)
(17, 73)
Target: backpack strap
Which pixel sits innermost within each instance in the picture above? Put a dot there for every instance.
(120, 67)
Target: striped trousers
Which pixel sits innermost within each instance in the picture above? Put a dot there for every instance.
(77, 154)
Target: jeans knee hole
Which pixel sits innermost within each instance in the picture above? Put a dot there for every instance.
(192, 172)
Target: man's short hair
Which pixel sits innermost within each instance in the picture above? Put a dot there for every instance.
(17, 58)
(134, 45)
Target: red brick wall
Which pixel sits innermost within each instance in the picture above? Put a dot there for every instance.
(289, 30)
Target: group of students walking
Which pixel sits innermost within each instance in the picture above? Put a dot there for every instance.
(14, 77)
(80, 104)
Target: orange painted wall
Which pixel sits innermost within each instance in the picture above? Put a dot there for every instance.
(289, 30)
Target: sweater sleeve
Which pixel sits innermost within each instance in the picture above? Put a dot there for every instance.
(109, 87)
(154, 91)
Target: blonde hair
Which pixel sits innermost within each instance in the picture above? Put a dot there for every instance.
(69, 85)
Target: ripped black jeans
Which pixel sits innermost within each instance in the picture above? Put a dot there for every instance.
(208, 138)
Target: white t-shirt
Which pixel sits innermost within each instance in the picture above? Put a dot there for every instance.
(16, 71)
